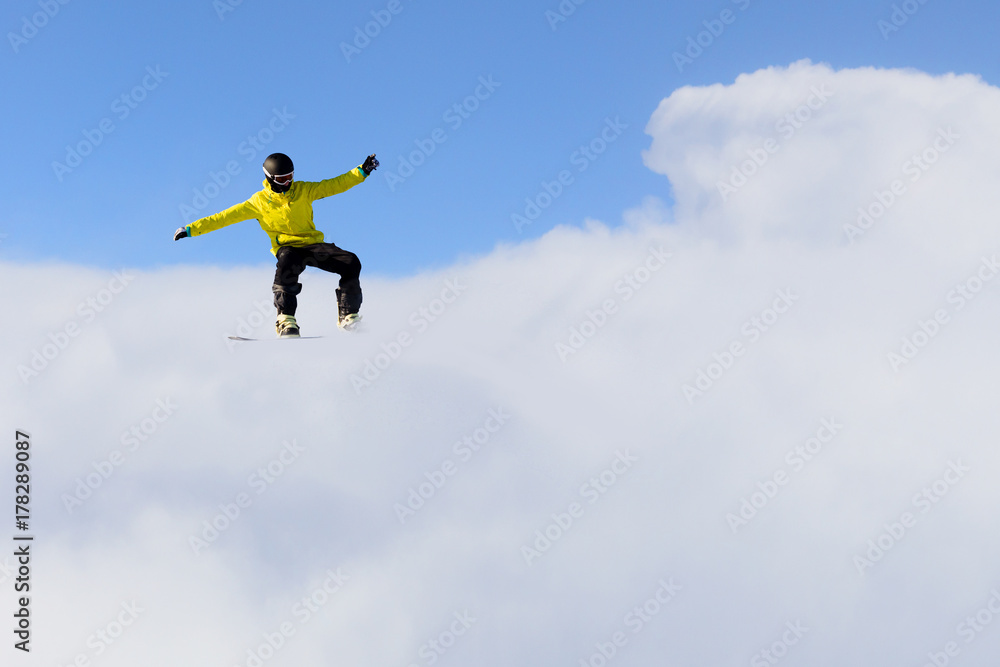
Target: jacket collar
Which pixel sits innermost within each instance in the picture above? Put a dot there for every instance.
(270, 191)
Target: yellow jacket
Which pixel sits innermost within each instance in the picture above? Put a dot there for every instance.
(286, 217)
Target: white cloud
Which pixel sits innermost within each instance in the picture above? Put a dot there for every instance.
(863, 129)
(494, 347)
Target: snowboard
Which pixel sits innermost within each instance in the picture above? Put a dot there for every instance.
(261, 340)
(354, 328)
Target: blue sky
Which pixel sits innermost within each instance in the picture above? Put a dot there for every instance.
(223, 75)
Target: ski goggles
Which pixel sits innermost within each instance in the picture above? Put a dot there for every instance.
(280, 179)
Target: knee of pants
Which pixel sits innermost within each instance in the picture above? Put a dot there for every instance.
(353, 267)
(286, 276)
(286, 289)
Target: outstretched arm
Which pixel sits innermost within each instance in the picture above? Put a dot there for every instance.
(231, 215)
(344, 182)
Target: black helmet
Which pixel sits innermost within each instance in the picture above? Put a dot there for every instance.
(278, 169)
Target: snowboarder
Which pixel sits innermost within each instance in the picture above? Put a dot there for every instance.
(284, 210)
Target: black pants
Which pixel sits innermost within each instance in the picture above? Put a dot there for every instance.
(293, 260)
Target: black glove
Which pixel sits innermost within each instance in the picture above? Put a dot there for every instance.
(181, 233)
(370, 165)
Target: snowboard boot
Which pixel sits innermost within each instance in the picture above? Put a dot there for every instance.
(349, 322)
(287, 327)
(348, 304)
